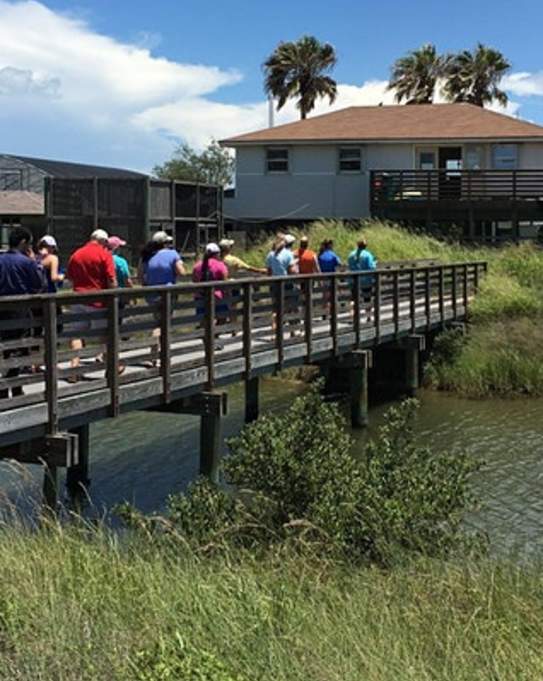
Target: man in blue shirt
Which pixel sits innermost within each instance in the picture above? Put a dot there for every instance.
(19, 275)
(280, 261)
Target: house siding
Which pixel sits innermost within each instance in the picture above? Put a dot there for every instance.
(314, 188)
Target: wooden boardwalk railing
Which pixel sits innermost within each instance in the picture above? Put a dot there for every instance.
(179, 340)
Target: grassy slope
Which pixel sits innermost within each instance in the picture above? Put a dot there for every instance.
(504, 352)
(78, 608)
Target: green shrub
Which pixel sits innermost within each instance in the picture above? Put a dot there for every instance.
(296, 479)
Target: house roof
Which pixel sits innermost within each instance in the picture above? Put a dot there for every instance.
(74, 170)
(21, 203)
(422, 122)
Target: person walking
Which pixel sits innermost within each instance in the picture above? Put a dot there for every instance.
(308, 262)
(329, 262)
(361, 259)
(90, 268)
(160, 265)
(122, 270)
(20, 274)
(47, 257)
(212, 268)
(233, 263)
(280, 262)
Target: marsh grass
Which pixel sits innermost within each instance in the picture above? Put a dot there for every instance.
(503, 353)
(81, 604)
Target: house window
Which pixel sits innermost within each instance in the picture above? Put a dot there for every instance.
(277, 160)
(350, 160)
(504, 156)
(427, 160)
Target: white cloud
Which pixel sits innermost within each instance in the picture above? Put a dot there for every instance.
(524, 83)
(118, 103)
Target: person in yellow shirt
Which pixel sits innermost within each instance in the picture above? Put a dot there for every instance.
(234, 263)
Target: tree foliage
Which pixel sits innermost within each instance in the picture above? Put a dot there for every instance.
(468, 76)
(299, 70)
(414, 76)
(213, 165)
(474, 76)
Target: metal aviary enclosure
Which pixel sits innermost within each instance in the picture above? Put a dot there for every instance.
(132, 209)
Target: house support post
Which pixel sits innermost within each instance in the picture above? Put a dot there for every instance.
(252, 399)
(77, 475)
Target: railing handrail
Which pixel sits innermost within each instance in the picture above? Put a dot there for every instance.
(137, 292)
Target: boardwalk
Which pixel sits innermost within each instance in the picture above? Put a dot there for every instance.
(205, 336)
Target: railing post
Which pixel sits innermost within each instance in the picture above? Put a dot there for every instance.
(396, 301)
(428, 298)
(209, 334)
(247, 327)
(454, 292)
(441, 295)
(279, 319)
(413, 299)
(333, 313)
(377, 307)
(165, 344)
(50, 360)
(112, 353)
(356, 308)
(465, 288)
(308, 316)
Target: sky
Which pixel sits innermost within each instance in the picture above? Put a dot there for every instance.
(122, 83)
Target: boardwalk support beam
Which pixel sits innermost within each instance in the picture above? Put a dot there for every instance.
(348, 375)
(77, 475)
(412, 347)
(251, 399)
(210, 435)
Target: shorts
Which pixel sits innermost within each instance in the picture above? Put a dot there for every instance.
(93, 323)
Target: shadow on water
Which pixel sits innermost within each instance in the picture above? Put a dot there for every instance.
(144, 457)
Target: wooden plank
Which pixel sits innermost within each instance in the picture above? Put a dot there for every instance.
(247, 327)
(308, 318)
(50, 360)
(209, 335)
(165, 344)
(113, 341)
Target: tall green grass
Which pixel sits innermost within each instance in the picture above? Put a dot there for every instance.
(78, 605)
(503, 353)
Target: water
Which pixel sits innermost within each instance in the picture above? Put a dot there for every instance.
(143, 457)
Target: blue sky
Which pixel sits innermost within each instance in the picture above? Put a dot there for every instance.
(121, 82)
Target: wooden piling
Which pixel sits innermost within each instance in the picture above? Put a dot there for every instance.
(77, 475)
(252, 399)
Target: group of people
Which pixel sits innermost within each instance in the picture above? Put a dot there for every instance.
(98, 265)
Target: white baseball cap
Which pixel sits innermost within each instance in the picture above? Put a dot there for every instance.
(226, 243)
(289, 239)
(48, 240)
(212, 248)
(161, 237)
(99, 235)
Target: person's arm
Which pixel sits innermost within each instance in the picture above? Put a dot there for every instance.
(242, 265)
(53, 267)
(127, 276)
(111, 276)
(179, 268)
(372, 262)
(38, 283)
(316, 266)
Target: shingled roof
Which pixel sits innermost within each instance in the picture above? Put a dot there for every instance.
(21, 203)
(421, 122)
(74, 170)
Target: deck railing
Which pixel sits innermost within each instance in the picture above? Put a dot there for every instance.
(388, 186)
(164, 339)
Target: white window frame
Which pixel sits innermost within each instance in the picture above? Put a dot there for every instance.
(345, 171)
(270, 171)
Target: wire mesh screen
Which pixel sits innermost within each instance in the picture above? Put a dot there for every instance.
(120, 199)
(186, 204)
(208, 202)
(71, 198)
(160, 199)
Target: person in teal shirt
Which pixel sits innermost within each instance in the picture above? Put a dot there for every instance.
(362, 260)
(122, 271)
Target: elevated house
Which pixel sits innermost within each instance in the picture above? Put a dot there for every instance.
(428, 165)
(69, 200)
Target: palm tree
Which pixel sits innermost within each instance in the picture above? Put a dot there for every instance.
(475, 76)
(298, 69)
(414, 76)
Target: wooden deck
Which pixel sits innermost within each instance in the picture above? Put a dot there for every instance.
(463, 197)
(269, 323)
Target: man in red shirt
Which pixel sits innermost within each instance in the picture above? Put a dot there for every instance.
(91, 268)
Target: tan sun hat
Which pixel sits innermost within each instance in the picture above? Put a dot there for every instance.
(226, 243)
